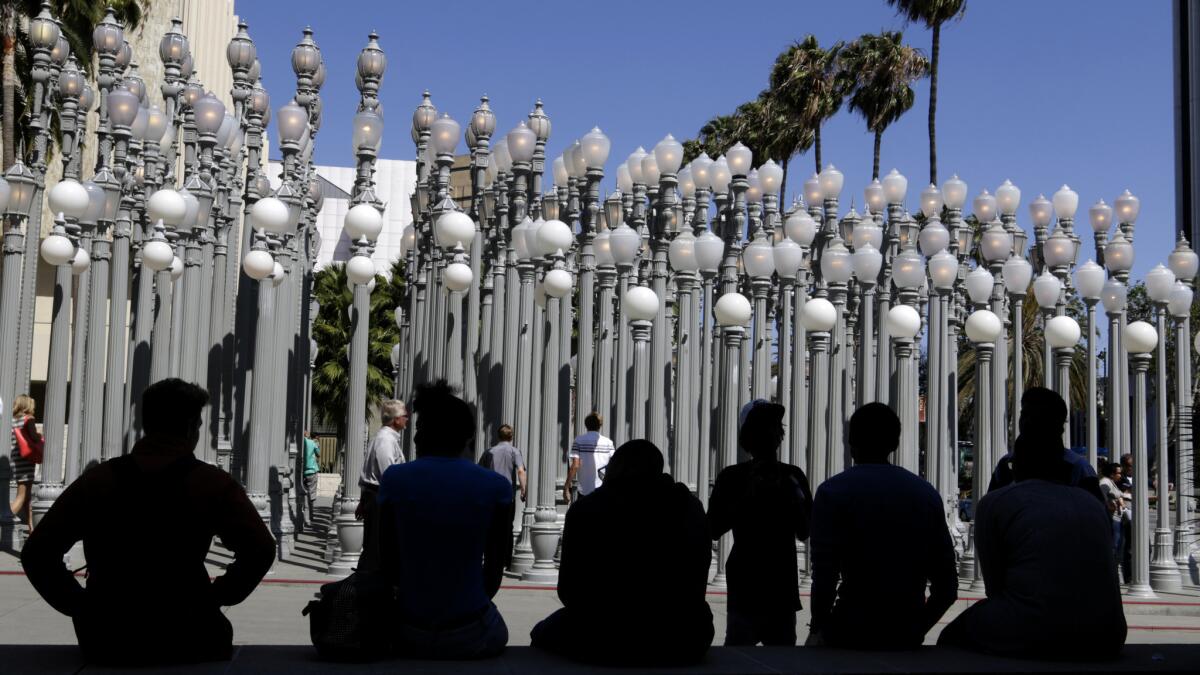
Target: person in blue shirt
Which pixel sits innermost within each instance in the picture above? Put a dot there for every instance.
(445, 534)
(874, 508)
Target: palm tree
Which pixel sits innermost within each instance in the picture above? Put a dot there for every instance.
(933, 13)
(331, 330)
(807, 84)
(78, 18)
(882, 69)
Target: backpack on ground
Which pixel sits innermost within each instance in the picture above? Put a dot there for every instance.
(352, 619)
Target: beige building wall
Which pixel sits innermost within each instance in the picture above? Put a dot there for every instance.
(209, 25)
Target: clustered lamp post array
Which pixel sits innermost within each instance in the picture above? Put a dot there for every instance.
(176, 227)
(665, 305)
(698, 292)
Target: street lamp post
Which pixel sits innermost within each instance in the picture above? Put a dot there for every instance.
(1164, 573)
(1184, 263)
(1140, 340)
(983, 329)
(733, 312)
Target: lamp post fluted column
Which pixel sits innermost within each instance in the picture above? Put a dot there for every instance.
(983, 445)
(731, 337)
(53, 478)
(1184, 431)
(1139, 583)
(1164, 573)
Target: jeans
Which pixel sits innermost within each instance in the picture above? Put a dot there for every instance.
(480, 638)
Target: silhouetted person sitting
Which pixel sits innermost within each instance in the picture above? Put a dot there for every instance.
(634, 570)
(445, 535)
(767, 504)
(147, 520)
(1043, 417)
(879, 538)
(1045, 550)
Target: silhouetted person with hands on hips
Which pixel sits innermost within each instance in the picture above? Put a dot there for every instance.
(147, 520)
(767, 504)
(445, 536)
(1045, 551)
(879, 540)
(634, 570)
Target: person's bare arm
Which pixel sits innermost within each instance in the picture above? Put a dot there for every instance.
(572, 471)
(521, 481)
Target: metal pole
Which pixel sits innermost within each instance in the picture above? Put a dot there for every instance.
(350, 529)
(1164, 573)
(1184, 461)
(544, 533)
(53, 479)
(983, 447)
(732, 338)
(1139, 586)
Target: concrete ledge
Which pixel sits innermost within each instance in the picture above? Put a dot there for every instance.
(299, 660)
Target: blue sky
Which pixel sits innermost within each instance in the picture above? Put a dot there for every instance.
(1042, 93)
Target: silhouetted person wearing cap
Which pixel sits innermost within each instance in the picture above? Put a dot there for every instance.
(147, 520)
(767, 504)
(634, 570)
(445, 536)
(1043, 417)
(1045, 552)
(879, 540)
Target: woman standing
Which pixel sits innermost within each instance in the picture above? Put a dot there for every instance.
(24, 423)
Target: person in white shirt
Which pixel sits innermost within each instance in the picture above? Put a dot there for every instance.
(589, 455)
(386, 449)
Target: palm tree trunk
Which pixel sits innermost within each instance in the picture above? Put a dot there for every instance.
(783, 185)
(933, 74)
(875, 165)
(8, 135)
(817, 147)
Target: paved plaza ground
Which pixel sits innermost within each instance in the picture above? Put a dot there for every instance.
(271, 628)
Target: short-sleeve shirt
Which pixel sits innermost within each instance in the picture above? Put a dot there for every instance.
(593, 450)
(384, 451)
(504, 458)
(311, 450)
(443, 508)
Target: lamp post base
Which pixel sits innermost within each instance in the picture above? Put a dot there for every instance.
(350, 540)
(1143, 591)
(1181, 555)
(1164, 572)
(544, 538)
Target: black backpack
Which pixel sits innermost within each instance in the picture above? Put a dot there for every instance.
(353, 619)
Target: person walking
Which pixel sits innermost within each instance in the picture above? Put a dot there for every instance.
(767, 504)
(387, 449)
(147, 520)
(590, 453)
(25, 454)
(505, 459)
(311, 467)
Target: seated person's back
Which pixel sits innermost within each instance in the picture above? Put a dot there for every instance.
(1045, 551)
(632, 593)
(445, 535)
(146, 521)
(870, 508)
(442, 510)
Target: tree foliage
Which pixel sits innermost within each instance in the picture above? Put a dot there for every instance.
(332, 331)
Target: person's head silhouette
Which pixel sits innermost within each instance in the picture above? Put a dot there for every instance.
(760, 428)
(873, 434)
(171, 410)
(634, 464)
(1043, 415)
(445, 423)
